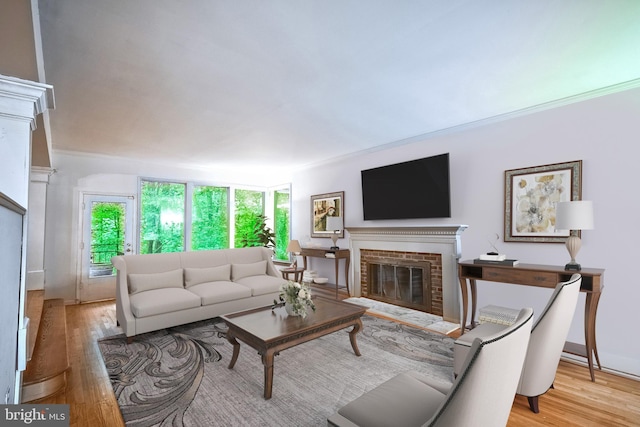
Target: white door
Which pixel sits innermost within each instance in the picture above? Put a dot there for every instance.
(107, 231)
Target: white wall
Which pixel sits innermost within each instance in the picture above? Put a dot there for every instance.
(602, 132)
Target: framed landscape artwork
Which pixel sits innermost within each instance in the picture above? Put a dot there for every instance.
(530, 199)
(323, 206)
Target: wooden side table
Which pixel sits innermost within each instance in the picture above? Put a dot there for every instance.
(328, 253)
(545, 276)
(296, 272)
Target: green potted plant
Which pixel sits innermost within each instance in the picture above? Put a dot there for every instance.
(258, 234)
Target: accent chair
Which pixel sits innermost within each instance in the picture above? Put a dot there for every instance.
(482, 395)
(548, 336)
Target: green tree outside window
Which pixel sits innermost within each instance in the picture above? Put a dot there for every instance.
(162, 217)
(210, 218)
(281, 223)
(107, 236)
(249, 219)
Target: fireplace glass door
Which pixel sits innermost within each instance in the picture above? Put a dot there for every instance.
(402, 284)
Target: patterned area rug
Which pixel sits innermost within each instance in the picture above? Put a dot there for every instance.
(407, 315)
(179, 376)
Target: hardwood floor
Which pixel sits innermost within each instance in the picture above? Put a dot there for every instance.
(576, 401)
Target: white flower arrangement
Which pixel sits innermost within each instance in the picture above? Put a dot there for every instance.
(296, 297)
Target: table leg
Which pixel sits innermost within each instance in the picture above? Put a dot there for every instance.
(465, 303)
(594, 308)
(267, 361)
(590, 309)
(346, 275)
(474, 300)
(352, 336)
(236, 348)
(337, 266)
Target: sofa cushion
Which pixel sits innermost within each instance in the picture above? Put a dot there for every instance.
(248, 255)
(195, 276)
(220, 291)
(403, 400)
(239, 271)
(144, 282)
(151, 263)
(206, 258)
(160, 301)
(262, 284)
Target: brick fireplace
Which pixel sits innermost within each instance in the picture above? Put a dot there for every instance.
(427, 255)
(409, 279)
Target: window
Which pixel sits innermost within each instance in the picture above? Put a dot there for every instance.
(281, 221)
(249, 218)
(175, 216)
(210, 218)
(162, 207)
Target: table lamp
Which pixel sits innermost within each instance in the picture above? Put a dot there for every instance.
(574, 216)
(334, 224)
(295, 249)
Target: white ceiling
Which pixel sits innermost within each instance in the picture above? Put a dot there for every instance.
(280, 82)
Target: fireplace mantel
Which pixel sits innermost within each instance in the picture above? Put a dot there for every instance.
(444, 240)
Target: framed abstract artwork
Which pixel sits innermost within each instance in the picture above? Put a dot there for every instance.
(530, 199)
(323, 206)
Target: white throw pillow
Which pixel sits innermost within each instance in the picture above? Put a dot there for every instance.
(195, 276)
(238, 271)
(146, 282)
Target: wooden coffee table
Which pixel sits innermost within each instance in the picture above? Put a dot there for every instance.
(271, 331)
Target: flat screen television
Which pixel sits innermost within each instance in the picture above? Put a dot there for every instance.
(414, 189)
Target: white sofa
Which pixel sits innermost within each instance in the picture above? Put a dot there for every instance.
(157, 291)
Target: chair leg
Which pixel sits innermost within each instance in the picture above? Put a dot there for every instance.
(533, 404)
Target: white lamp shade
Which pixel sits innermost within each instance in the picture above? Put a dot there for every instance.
(334, 223)
(576, 215)
(294, 246)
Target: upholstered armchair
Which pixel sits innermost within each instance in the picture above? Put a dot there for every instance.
(482, 395)
(548, 336)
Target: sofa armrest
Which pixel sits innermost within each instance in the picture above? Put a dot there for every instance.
(267, 254)
(124, 315)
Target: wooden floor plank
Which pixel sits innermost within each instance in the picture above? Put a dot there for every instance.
(33, 310)
(46, 371)
(576, 401)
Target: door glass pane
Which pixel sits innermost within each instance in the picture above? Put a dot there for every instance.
(281, 223)
(249, 206)
(162, 217)
(107, 236)
(210, 218)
